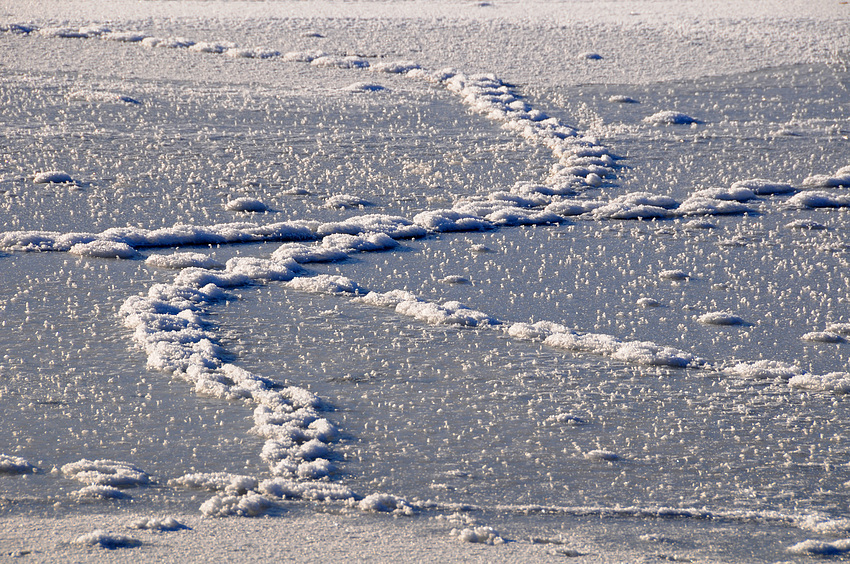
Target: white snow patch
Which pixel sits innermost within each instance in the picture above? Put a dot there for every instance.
(763, 187)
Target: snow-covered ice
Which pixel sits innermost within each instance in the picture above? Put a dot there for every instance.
(575, 273)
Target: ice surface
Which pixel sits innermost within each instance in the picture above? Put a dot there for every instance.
(477, 275)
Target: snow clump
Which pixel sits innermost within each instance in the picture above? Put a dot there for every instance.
(246, 204)
(106, 539)
(98, 492)
(821, 548)
(720, 318)
(232, 484)
(15, 465)
(179, 261)
(52, 177)
(763, 187)
(669, 117)
(104, 249)
(385, 503)
(600, 455)
(249, 505)
(479, 535)
(156, 524)
(835, 382)
(106, 473)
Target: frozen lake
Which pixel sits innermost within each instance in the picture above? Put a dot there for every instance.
(423, 268)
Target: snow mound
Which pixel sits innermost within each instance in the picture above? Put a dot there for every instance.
(836, 382)
(600, 455)
(369, 242)
(250, 505)
(346, 201)
(648, 302)
(806, 224)
(385, 503)
(840, 328)
(361, 87)
(104, 249)
(763, 187)
(52, 177)
(821, 548)
(156, 524)
(302, 253)
(347, 62)
(325, 284)
(394, 226)
(669, 117)
(733, 193)
(673, 275)
(720, 318)
(818, 199)
(178, 261)
(840, 178)
(246, 205)
(106, 539)
(99, 492)
(106, 473)
(479, 535)
(449, 313)
(15, 465)
(823, 337)
(394, 67)
(303, 56)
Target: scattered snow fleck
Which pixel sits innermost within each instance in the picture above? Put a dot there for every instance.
(232, 484)
(764, 369)
(315, 491)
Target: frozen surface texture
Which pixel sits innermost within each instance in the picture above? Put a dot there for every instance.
(472, 281)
